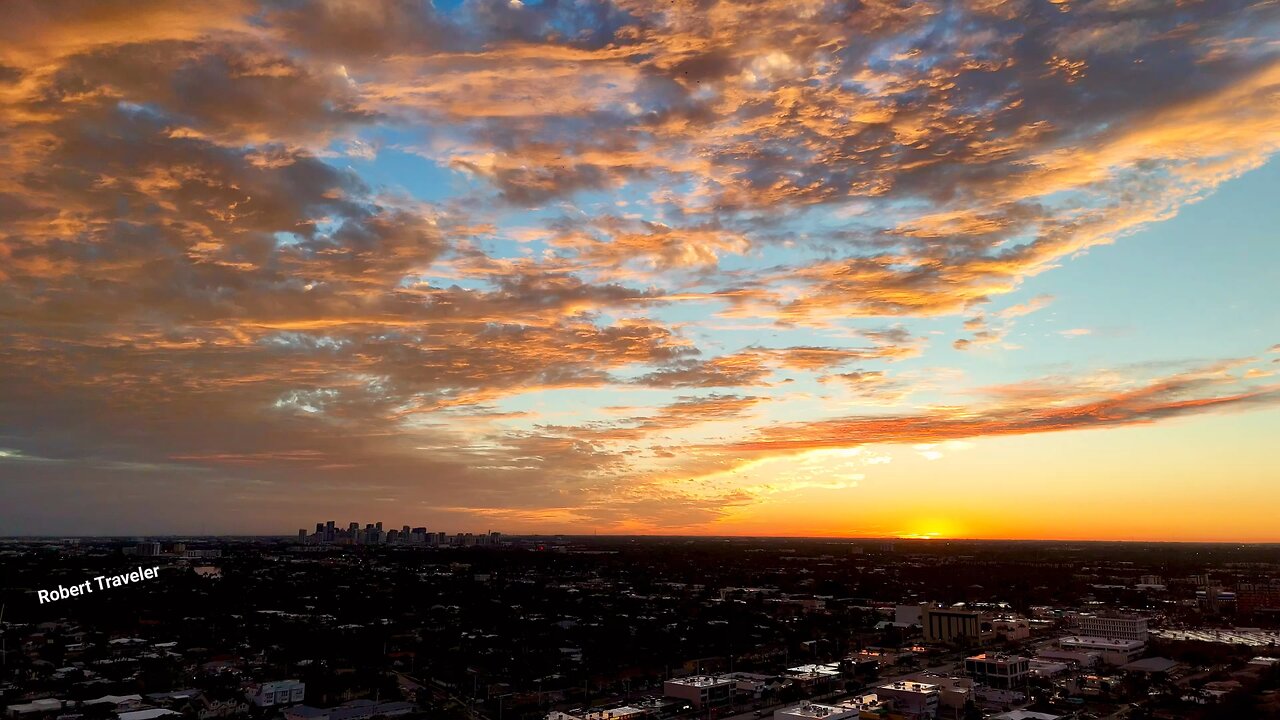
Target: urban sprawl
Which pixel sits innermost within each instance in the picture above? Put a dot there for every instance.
(358, 622)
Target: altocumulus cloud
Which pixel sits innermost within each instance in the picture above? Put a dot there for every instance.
(203, 264)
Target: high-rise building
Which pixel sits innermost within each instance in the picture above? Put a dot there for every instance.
(1253, 599)
(950, 625)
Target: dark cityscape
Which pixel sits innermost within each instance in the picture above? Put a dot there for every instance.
(489, 627)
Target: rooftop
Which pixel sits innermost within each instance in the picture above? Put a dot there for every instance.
(995, 657)
(700, 680)
(911, 687)
(147, 714)
(815, 710)
(1097, 642)
(1150, 665)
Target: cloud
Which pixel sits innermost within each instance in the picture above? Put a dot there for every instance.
(1029, 408)
(210, 259)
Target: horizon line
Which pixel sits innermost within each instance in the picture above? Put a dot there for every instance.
(839, 538)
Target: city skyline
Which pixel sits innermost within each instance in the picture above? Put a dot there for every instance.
(972, 269)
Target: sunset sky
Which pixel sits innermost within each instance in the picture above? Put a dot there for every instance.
(968, 268)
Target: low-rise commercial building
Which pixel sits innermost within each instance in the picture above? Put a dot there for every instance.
(999, 671)
(869, 705)
(35, 707)
(914, 700)
(754, 685)
(279, 692)
(701, 690)
(814, 678)
(816, 711)
(1112, 652)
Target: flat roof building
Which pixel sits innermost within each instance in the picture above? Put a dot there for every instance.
(999, 671)
(148, 714)
(816, 711)
(279, 692)
(1114, 627)
(918, 701)
(35, 707)
(869, 704)
(1112, 652)
(701, 690)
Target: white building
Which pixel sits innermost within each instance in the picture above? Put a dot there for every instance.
(813, 677)
(816, 711)
(1119, 627)
(918, 701)
(1112, 652)
(859, 706)
(701, 690)
(280, 692)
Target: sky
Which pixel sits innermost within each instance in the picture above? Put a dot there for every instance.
(950, 268)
